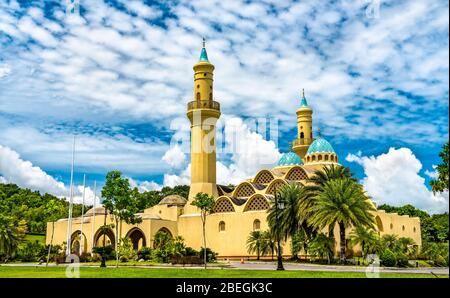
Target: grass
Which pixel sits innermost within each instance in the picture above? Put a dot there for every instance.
(121, 272)
(34, 238)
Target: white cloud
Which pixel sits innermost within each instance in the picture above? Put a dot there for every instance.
(393, 178)
(4, 70)
(175, 157)
(248, 151)
(24, 174)
(144, 185)
(432, 174)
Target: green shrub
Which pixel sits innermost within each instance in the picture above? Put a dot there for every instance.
(387, 258)
(210, 255)
(144, 253)
(402, 260)
(440, 261)
(189, 251)
(160, 255)
(32, 252)
(108, 249)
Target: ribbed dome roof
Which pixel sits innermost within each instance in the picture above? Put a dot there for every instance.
(320, 145)
(173, 200)
(290, 158)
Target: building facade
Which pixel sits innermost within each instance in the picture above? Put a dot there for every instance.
(239, 210)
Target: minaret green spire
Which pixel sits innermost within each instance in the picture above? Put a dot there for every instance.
(204, 55)
(303, 103)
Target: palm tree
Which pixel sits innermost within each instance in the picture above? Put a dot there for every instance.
(161, 240)
(344, 202)
(290, 217)
(11, 234)
(368, 240)
(391, 242)
(269, 243)
(322, 246)
(407, 245)
(319, 179)
(255, 243)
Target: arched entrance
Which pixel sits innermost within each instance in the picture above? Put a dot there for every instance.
(379, 224)
(162, 238)
(77, 240)
(107, 236)
(137, 238)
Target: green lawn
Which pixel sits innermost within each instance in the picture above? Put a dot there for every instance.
(42, 272)
(33, 238)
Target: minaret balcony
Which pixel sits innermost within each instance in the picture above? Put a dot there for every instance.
(203, 104)
(300, 142)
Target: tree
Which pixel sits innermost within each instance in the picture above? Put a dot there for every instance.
(390, 241)
(205, 203)
(12, 233)
(368, 240)
(342, 201)
(161, 240)
(407, 246)
(316, 183)
(441, 183)
(291, 217)
(322, 246)
(256, 243)
(53, 208)
(270, 243)
(119, 202)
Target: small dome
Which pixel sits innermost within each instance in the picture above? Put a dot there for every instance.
(290, 158)
(100, 210)
(174, 200)
(320, 145)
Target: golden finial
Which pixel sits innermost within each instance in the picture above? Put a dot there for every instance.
(303, 92)
(204, 42)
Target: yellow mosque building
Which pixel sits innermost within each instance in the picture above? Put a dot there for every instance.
(237, 211)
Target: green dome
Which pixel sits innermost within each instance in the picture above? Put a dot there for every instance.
(320, 145)
(290, 158)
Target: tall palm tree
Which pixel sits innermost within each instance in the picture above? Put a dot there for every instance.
(255, 243)
(407, 246)
(344, 202)
(391, 242)
(11, 234)
(319, 179)
(290, 218)
(368, 240)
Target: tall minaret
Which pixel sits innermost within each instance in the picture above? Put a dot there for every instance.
(203, 113)
(304, 128)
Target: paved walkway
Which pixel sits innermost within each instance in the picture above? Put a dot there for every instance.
(336, 268)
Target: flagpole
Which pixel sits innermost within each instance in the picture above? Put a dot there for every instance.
(69, 222)
(82, 216)
(93, 216)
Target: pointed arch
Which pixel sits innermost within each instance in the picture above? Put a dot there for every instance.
(77, 239)
(263, 177)
(223, 204)
(256, 202)
(296, 173)
(137, 238)
(244, 189)
(108, 235)
(274, 185)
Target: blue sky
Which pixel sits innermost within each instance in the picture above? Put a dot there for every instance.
(120, 74)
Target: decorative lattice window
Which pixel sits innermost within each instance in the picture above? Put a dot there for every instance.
(264, 177)
(257, 203)
(256, 225)
(297, 174)
(273, 188)
(244, 190)
(222, 206)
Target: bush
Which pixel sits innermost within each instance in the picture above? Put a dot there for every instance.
(440, 261)
(144, 253)
(32, 252)
(387, 258)
(189, 251)
(402, 260)
(160, 255)
(85, 257)
(210, 255)
(108, 250)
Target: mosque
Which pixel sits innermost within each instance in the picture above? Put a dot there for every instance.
(238, 210)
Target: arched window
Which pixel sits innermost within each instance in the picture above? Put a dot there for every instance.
(210, 96)
(198, 95)
(403, 228)
(319, 157)
(222, 226)
(198, 86)
(414, 229)
(326, 157)
(379, 224)
(256, 225)
(392, 226)
(302, 135)
(313, 158)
